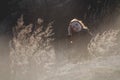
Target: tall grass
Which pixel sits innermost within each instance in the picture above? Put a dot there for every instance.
(31, 49)
(104, 44)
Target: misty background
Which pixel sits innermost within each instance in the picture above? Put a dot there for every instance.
(97, 15)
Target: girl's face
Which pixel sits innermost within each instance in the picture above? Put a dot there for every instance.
(76, 26)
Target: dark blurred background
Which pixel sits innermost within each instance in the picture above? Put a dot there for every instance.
(91, 12)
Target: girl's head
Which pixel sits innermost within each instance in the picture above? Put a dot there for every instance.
(75, 26)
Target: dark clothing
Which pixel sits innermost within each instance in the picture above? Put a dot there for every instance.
(78, 47)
